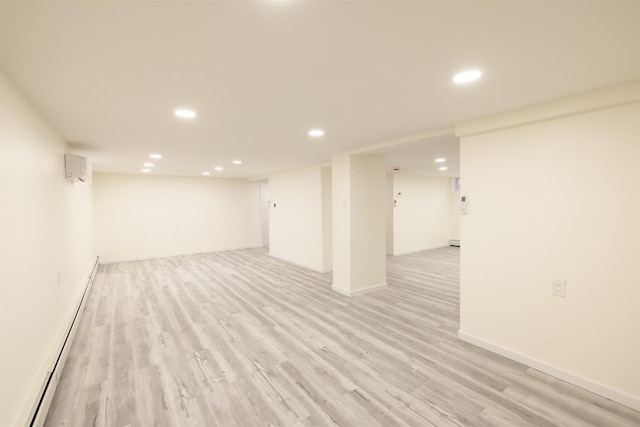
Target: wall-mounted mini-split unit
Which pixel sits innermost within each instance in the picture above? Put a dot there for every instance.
(454, 242)
(76, 168)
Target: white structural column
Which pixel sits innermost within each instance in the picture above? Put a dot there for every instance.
(359, 221)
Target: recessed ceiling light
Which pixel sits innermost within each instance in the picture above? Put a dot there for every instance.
(443, 168)
(316, 132)
(467, 76)
(185, 114)
(146, 170)
(237, 162)
(441, 160)
(155, 156)
(205, 173)
(219, 168)
(149, 165)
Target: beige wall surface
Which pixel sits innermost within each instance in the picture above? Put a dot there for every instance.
(454, 200)
(298, 219)
(422, 214)
(139, 217)
(327, 220)
(367, 221)
(557, 198)
(46, 251)
(340, 200)
(389, 213)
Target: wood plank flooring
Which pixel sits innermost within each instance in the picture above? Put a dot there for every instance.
(242, 339)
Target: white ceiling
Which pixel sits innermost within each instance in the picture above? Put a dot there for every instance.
(108, 74)
(418, 157)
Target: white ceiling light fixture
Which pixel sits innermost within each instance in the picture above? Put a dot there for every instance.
(146, 170)
(237, 162)
(467, 76)
(443, 168)
(148, 165)
(219, 168)
(441, 160)
(155, 156)
(184, 113)
(206, 173)
(316, 133)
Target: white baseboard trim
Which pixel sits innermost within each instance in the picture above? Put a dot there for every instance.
(160, 256)
(425, 248)
(301, 264)
(577, 380)
(358, 292)
(40, 408)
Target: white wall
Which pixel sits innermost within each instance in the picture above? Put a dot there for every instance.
(359, 220)
(145, 216)
(554, 193)
(389, 204)
(300, 217)
(327, 220)
(341, 194)
(422, 214)
(454, 212)
(264, 211)
(45, 251)
(368, 220)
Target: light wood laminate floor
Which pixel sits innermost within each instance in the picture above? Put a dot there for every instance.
(242, 339)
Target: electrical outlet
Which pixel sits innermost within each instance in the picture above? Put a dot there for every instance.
(558, 287)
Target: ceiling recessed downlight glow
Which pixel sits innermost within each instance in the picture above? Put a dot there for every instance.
(467, 76)
(155, 156)
(237, 162)
(206, 173)
(441, 160)
(443, 168)
(316, 133)
(219, 168)
(148, 165)
(185, 114)
(146, 170)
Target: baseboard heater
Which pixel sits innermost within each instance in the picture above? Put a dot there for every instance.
(454, 242)
(41, 407)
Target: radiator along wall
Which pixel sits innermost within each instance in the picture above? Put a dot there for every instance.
(46, 252)
(143, 216)
(554, 193)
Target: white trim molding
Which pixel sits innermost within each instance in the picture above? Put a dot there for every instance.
(41, 406)
(625, 399)
(349, 293)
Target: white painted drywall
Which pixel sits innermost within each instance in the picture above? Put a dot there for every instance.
(359, 221)
(556, 196)
(46, 251)
(327, 220)
(368, 220)
(422, 213)
(389, 213)
(145, 216)
(454, 212)
(298, 217)
(264, 211)
(341, 206)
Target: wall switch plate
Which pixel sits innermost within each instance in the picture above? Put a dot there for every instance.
(558, 287)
